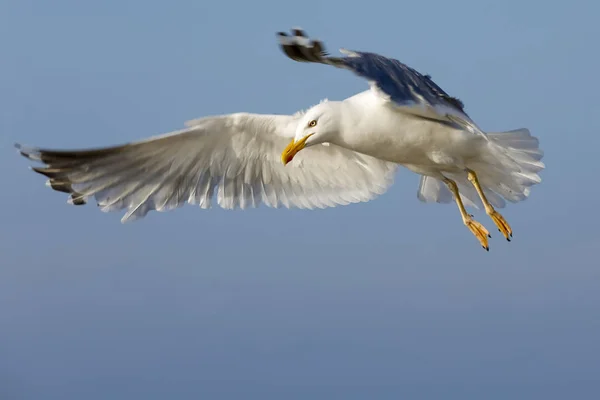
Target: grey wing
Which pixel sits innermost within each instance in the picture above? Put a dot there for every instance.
(406, 88)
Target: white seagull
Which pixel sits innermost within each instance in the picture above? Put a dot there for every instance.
(337, 152)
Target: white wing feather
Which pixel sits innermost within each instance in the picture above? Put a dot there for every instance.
(235, 157)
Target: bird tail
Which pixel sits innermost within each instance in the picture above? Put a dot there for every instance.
(506, 171)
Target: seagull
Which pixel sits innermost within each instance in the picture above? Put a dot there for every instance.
(334, 153)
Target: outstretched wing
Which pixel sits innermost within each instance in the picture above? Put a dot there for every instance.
(235, 157)
(405, 87)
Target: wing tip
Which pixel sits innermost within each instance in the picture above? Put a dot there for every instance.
(31, 153)
(299, 47)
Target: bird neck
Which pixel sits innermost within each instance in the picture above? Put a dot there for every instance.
(354, 115)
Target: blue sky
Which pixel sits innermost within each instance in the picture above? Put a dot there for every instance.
(384, 299)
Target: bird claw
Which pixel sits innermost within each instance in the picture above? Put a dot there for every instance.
(503, 226)
(479, 232)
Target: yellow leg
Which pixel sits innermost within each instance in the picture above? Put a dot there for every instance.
(475, 227)
(489, 209)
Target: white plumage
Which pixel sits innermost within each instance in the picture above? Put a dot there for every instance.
(338, 152)
(233, 157)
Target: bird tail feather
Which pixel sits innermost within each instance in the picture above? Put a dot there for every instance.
(506, 171)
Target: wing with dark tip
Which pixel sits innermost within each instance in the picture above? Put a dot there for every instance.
(408, 89)
(234, 159)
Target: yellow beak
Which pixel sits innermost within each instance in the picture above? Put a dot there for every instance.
(294, 147)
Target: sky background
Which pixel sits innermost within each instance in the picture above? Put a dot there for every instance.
(387, 299)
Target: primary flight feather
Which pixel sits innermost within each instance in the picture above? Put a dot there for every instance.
(337, 152)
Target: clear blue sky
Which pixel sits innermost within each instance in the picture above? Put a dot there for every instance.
(387, 299)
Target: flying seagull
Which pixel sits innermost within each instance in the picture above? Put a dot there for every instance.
(335, 153)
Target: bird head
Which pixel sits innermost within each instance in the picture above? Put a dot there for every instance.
(318, 125)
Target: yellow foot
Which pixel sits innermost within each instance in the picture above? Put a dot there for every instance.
(501, 223)
(479, 231)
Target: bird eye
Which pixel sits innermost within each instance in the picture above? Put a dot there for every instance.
(312, 124)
